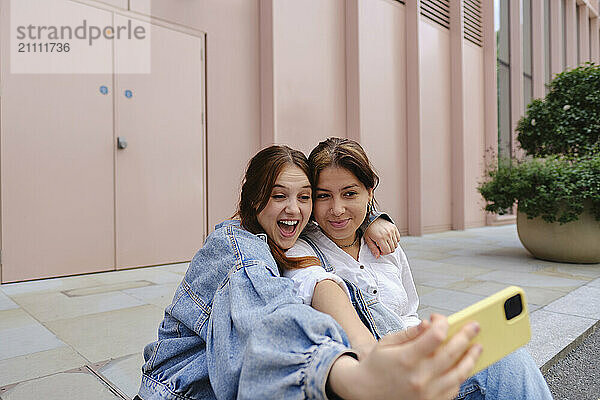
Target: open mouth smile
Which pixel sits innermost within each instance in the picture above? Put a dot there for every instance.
(288, 227)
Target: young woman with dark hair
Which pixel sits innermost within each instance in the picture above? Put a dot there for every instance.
(343, 190)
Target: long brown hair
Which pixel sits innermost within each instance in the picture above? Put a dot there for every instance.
(347, 154)
(260, 178)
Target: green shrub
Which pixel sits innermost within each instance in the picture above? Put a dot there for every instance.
(555, 188)
(567, 120)
(561, 137)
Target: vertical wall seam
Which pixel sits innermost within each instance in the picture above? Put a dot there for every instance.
(413, 119)
(457, 122)
(352, 70)
(268, 114)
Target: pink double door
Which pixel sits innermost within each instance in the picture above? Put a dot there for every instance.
(76, 199)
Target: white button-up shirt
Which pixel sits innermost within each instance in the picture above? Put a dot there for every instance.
(388, 278)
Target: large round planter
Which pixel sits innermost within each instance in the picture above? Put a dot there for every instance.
(573, 242)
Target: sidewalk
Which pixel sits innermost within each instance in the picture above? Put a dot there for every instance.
(82, 337)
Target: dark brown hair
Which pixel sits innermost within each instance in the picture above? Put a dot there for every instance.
(260, 178)
(347, 154)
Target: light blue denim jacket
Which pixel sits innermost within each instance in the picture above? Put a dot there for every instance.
(236, 330)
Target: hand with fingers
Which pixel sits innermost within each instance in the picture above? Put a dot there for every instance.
(382, 237)
(412, 365)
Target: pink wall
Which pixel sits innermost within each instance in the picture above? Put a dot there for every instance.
(233, 88)
(435, 126)
(383, 101)
(474, 133)
(309, 65)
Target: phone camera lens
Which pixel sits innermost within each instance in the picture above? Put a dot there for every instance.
(513, 307)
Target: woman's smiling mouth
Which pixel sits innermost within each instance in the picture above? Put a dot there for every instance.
(287, 227)
(340, 224)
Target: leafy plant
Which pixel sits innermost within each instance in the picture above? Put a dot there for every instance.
(567, 120)
(561, 137)
(555, 188)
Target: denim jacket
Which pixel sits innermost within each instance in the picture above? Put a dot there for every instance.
(236, 330)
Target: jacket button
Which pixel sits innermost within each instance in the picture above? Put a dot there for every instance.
(374, 291)
(362, 267)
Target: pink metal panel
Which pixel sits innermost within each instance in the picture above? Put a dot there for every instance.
(124, 4)
(474, 156)
(584, 34)
(457, 115)
(595, 40)
(413, 119)
(382, 64)
(160, 185)
(571, 34)
(309, 70)
(233, 88)
(435, 126)
(537, 47)
(57, 170)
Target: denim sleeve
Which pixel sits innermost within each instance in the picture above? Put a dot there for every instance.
(372, 216)
(262, 337)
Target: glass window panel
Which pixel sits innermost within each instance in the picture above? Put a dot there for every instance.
(502, 33)
(526, 22)
(504, 128)
(527, 90)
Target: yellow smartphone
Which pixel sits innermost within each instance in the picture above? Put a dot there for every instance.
(504, 324)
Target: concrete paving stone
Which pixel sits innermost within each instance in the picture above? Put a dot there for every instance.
(125, 373)
(159, 295)
(583, 302)
(52, 306)
(49, 285)
(572, 271)
(503, 263)
(39, 364)
(424, 255)
(449, 299)
(426, 278)
(20, 334)
(156, 275)
(115, 287)
(6, 303)
(179, 269)
(425, 312)
(112, 334)
(594, 283)
(463, 271)
(421, 290)
(551, 332)
(531, 280)
(67, 385)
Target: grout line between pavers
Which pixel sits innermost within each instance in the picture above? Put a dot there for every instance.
(563, 353)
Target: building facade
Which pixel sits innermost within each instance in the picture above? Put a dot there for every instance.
(433, 89)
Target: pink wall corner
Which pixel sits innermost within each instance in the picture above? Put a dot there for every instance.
(383, 102)
(309, 70)
(435, 127)
(233, 89)
(474, 133)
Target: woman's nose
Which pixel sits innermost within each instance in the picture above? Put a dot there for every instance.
(292, 207)
(337, 208)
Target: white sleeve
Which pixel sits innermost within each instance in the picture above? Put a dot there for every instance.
(411, 318)
(305, 279)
